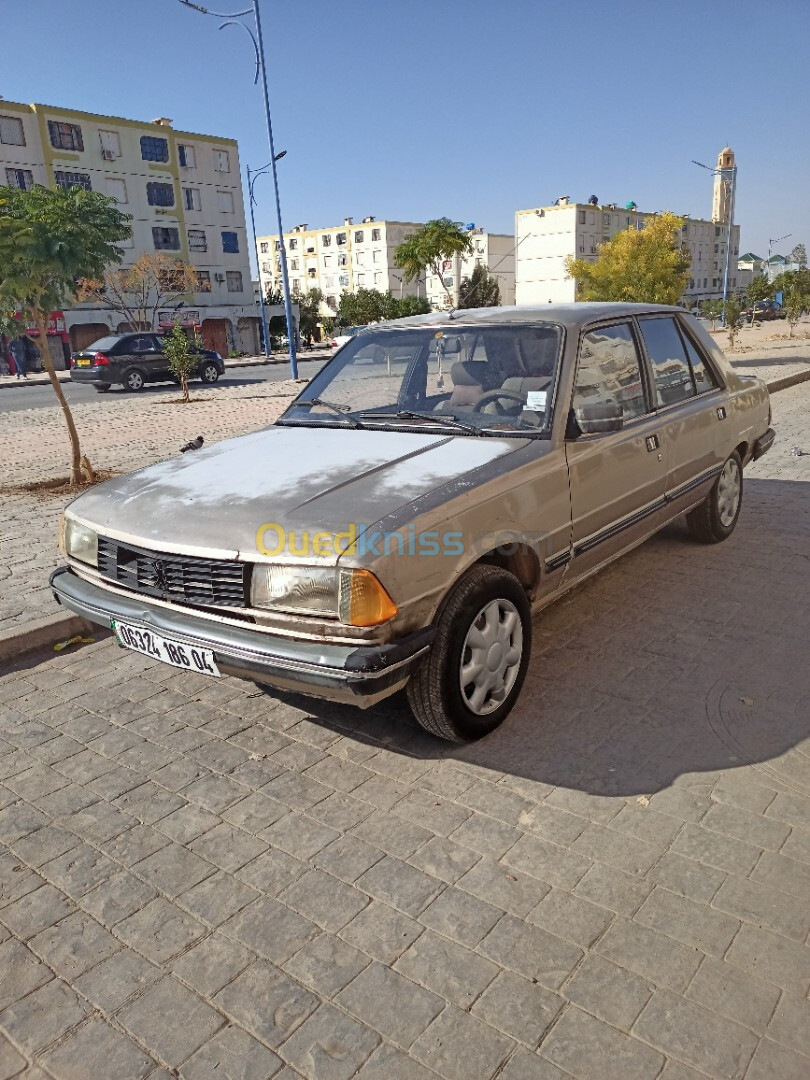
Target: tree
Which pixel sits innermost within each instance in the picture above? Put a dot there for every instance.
(427, 249)
(411, 305)
(365, 306)
(795, 288)
(733, 316)
(713, 309)
(182, 360)
(48, 240)
(137, 292)
(799, 256)
(649, 266)
(274, 297)
(481, 289)
(759, 288)
(309, 311)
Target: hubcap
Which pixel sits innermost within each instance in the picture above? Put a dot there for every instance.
(490, 657)
(135, 382)
(728, 492)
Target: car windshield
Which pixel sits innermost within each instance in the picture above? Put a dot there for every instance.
(102, 345)
(492, 379)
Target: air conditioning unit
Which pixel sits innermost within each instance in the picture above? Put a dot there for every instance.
(108, 155)
(219, 277)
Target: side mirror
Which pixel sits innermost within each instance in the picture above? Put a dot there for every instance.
(599, 419)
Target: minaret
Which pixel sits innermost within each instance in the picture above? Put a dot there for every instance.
(721, 202)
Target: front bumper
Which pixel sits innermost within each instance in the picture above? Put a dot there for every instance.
(358, 675)
(763, 444)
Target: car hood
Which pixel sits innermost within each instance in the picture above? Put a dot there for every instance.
(216, 500)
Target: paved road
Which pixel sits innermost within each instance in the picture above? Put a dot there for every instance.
(204, 878)
(42, 396)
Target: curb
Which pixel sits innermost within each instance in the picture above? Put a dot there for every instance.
(788, 381)
(40, 633)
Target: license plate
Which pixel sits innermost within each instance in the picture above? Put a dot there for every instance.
(82, 363)
(156, 646)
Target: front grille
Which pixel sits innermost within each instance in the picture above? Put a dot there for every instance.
(183, 579)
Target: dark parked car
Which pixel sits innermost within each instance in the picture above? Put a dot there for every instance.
(134, 360)
(763, 310)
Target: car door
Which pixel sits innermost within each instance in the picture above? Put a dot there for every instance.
(142, 353)
(158, 358)
(691, 406)
(617, 478)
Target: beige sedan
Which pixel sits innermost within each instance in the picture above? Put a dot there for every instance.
(439, 480)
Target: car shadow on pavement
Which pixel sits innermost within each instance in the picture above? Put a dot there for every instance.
(678, 661)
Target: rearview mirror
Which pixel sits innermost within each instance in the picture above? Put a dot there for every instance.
(601, 418)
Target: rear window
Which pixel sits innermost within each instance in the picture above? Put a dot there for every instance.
(104, 344)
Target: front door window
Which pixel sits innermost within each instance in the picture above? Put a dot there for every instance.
(609, 371)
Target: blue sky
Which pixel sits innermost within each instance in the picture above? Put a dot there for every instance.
(464, 108)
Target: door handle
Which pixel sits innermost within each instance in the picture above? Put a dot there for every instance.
(652, 443)
(721, 412)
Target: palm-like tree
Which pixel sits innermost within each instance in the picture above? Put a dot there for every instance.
(427, 249)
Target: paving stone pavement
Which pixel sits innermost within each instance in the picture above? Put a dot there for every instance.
(201, 879)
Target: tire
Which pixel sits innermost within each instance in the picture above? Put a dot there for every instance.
(209, 373)
(103, 388)
(134, 380)
(480, 605)
(714, 520)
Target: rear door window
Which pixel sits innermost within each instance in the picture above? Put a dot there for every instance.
(671, 372)
(702, 373)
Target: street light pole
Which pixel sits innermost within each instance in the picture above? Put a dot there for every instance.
(770, 247)
(231, 19)
(256, 173)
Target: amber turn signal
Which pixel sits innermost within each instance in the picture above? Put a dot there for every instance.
(363, 600)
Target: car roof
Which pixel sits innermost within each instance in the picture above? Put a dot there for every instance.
(570, 315)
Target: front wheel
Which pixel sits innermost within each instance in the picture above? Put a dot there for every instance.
(134, 380)
(471, 678)
(714, 520)
(209, 373)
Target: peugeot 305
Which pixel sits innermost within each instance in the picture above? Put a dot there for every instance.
(438, 482)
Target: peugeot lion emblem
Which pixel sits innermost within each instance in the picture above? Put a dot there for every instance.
(161, 578)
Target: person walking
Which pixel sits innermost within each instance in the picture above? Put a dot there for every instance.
(17, 349)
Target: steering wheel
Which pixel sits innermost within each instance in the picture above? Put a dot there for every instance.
(495, 395)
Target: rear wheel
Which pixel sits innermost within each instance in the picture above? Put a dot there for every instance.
(209, 373)
(102, 388)
(714, 520)
(134, 380)
(471, 678)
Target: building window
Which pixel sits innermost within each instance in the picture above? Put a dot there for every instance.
(230, 243)
(581, 217)
(296, 285)
(358, 236)
(72, 179)
(448, 281)
(292, 244)
(376, 257)
(225, 199)
(375, 234)
(116, 188)
(65, 136)
(197, 240)
(191, 198)
(343, 279)
(606, 220)
(293, 264)
(264, 247)
(360, 258)
(186, 156)
(343, 260)
(326, 241)
(327, 260)
(222, 162)
(203, 281)
(154, 149)
(377, 279)
(361, 280)
(340, 238)
(267, 267)
(11, 131)
(165, 239)
(159, 194)
(20, 178)
(110, 144)
(234, 279)
(329, 283)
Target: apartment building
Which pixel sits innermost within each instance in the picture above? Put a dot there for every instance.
(494, 251)
(338, 259)
(183, 191)
(545, 236)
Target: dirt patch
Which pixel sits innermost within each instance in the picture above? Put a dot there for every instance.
(57, 487)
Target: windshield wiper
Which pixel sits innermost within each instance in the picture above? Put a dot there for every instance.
(343, 411)
(431, 418)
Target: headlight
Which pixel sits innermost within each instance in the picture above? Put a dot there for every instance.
(356, 597)
(80, 542)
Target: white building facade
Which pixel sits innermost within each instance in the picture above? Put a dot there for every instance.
(338, 259)
(183, 191)
(546, 236)
(494, 251)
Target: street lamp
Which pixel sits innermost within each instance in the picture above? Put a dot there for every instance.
(770, 248)
(256, 173)
(231, 19)
(732, 193)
